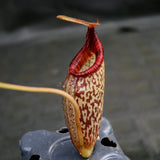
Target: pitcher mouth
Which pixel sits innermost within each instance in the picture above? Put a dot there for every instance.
(89, 58)
(86, 60)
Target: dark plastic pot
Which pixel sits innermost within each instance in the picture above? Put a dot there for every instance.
(45, 145)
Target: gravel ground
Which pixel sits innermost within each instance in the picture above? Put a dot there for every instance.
(38, 57)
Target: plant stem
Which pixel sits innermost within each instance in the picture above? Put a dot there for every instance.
(42, 90)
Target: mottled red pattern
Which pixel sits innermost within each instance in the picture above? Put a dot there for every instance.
(89, 94)
(85, 82)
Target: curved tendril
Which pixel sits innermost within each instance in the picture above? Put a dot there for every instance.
(41, 90)
(44, 90)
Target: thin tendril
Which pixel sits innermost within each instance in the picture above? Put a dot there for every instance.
(41, 90)
(48, 90)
